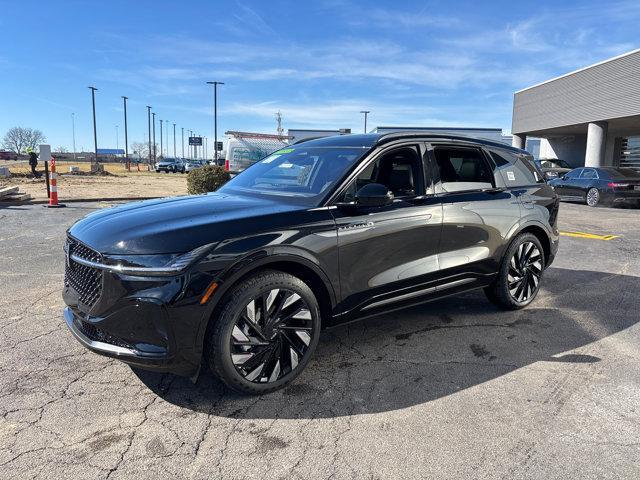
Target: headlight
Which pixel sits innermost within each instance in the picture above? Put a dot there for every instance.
(148, 265)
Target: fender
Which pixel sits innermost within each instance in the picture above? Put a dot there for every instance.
(252, 261)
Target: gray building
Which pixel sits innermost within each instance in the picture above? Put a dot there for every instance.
(587, 117)
(299, 134)
(494, 134)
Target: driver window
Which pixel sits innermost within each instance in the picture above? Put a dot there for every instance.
(399, 170)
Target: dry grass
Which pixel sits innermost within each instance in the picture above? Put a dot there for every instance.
(118, 183)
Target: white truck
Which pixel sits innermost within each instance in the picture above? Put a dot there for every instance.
(243, 149)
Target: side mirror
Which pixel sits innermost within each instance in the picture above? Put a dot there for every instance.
(374, 195)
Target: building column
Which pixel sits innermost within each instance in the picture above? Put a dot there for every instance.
(519, 140)
(596, 142)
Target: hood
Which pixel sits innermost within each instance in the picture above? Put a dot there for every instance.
(172, 225)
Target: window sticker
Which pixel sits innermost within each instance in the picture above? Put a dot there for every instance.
(270, 158)
(511, 176)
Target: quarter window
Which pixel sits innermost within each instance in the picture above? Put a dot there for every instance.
(461, 169)
(517, 170)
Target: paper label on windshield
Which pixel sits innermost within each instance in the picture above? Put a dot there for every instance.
(511, 176)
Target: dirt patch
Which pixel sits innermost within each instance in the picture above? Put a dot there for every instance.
(103, 187)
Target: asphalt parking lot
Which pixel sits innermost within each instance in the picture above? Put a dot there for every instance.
(450, 389)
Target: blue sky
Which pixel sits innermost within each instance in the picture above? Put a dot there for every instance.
(319, 63)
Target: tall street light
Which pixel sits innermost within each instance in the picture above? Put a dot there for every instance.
(166, 129)
(126, 133)
(205, 148)
(95, 131)
(155, 157)
(366, 112)
(161, 150)
(182, 128)
(117, 138)
(215, 118)
(149, 122)
(174, 140)
(73, 130)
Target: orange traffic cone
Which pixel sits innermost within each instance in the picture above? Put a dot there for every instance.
(53, 199)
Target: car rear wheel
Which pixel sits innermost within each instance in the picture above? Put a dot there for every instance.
(593, 197)
(266, 332)
(518, 280)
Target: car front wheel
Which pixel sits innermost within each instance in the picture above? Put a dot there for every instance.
(518, 280)
(265, 334)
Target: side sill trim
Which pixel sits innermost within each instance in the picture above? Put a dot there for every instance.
(418, 293)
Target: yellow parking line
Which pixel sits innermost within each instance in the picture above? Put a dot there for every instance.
(591, 236)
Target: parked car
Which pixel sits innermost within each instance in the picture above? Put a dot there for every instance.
(311, 236)
(597, 186)
(170, 165)
(192, 165)
(553, 167)
(6, 155)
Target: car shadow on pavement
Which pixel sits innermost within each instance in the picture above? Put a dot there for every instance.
(430, 351)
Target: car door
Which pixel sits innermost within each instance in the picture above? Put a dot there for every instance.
(389, 255)
(588, 178)
(478, 213)
(567, 186)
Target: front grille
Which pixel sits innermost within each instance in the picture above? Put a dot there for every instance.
(86, 281)
(94, 333)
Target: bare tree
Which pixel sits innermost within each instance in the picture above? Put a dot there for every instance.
(18, 139)
(140, 149)
(62, 149)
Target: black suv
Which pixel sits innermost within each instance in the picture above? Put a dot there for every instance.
(313, 235)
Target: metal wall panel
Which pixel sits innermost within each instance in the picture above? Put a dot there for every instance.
(601, 92)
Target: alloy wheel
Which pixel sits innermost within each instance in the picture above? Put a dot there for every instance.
(271, 336)
(525, 270)
(593, 196)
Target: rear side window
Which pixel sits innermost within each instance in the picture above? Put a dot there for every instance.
(461, 169)
(588, 174)
(516, 170)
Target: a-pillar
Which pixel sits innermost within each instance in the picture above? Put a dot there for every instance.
(596, 141)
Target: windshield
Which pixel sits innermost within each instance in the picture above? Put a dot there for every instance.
(299, 173)
(554, 163)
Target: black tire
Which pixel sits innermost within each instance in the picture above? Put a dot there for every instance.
(278, 351)
(593, 197)
(520, 274)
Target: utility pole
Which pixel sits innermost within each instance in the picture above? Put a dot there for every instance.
(73, 130)
(174, 140)
(126, 137)
(279, 129)
(182, 128)
(161, 150)
(149, 137)
(366, 112)
(95, 131)
(155, 157)
(215, 117)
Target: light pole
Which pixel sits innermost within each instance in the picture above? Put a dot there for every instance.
(205, 149)
(126, 133)
(366, 112)
(215, 118)
(117, 138)
(161, 150)
(190, 146)
(155, 158)
(149, 137)
(95, 131)
(174, 140)
(166, 129)
(73, 130)
(182, 128)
